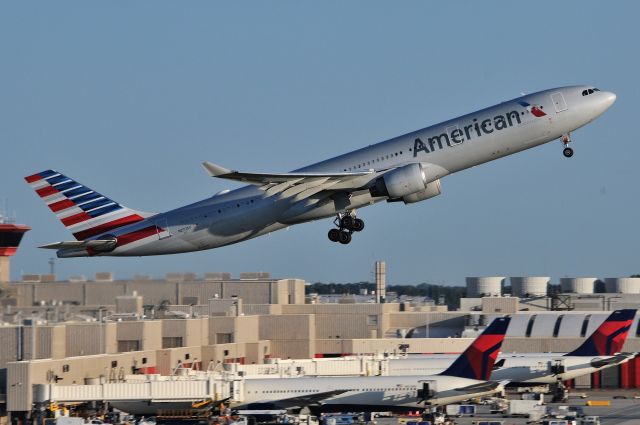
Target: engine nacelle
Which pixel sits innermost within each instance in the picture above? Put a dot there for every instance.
(432, 189)
(400, 182)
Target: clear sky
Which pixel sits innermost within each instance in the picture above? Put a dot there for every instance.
(130, 97)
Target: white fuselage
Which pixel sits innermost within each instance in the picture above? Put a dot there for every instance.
(441, 149)
(377, 392)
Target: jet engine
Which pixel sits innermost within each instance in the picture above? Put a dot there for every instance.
(408, 184)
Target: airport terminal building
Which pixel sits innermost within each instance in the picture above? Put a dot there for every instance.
(84, 338)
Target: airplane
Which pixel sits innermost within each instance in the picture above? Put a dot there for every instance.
(601, 350)
(407, 169)
(467, 377)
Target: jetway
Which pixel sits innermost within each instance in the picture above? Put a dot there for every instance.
(156, 390)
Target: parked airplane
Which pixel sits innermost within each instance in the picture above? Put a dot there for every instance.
(407, 168)
(600, 351)
(465, 378)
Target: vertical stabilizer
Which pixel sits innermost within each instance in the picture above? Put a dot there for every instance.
(476, 362)
(610, 336)
(85, 212)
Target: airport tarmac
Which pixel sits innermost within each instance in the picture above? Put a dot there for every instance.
(620, 412)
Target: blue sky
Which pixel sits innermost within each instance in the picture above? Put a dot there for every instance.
(130, 97)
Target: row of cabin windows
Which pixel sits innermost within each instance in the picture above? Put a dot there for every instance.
(589, 91)
(342, 389)
(373, 161)
(238, 205)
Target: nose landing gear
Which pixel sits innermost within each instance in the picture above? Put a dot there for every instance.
(567, 151)
(346, 224)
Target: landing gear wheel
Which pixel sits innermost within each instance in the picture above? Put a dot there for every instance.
(334, 235)
(567, 152)
(358, 225)
(345, 238)
(347, 222)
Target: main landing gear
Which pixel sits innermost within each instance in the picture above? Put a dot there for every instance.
(347, 223)
(567, 151)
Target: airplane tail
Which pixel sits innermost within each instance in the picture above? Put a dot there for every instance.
(477, 361)
(610, 336)
(85, 212)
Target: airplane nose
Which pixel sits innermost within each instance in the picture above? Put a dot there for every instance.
(607, 99)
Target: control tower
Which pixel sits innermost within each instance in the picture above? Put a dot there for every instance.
(10, 236)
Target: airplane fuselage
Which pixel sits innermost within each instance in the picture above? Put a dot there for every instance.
(368, 393)
(441, 149)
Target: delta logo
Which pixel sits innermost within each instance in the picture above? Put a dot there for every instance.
(536, 111)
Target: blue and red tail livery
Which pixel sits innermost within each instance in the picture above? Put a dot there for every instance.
(85, 212)
(476, 362)
(610, 336)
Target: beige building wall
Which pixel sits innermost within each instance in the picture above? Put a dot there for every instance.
(169, 359)
(148, 333)
(59, 291)
(192, 332)
(43, 341)
(84, 339)
(213, 356)
(291, 336)
(104, 293)
(233, 329)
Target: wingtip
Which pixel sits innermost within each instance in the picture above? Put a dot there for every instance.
(215, 170)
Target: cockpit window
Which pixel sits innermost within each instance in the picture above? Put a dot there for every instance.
(589, 91)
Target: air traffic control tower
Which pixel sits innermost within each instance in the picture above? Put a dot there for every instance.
(10, 236)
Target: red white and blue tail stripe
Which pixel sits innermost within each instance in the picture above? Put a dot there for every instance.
(85, 212)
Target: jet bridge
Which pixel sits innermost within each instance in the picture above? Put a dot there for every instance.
(156, 391)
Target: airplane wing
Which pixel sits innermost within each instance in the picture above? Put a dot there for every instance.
(295, 183)
(481, 387)
(288, 403)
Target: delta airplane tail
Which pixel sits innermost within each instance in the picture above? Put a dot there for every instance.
(610, 336)
(85, 212)
(477, 361)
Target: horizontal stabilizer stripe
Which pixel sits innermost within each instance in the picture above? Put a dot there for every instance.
(57, 179)
(105, 227)
(75, 192)
(48, 173)
(77, 218)
(46, 191)
(95, 204)
(95, 222)
(61, 205)
(86, 197)
(137, 235)
(33, 178)
(104, 210)
(65, 186)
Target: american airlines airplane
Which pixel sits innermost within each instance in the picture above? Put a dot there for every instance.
(600, 350)
(406, 169)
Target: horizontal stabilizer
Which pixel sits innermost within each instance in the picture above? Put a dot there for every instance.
(96, 244)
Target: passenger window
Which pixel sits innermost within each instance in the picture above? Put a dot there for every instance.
(590, 91)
